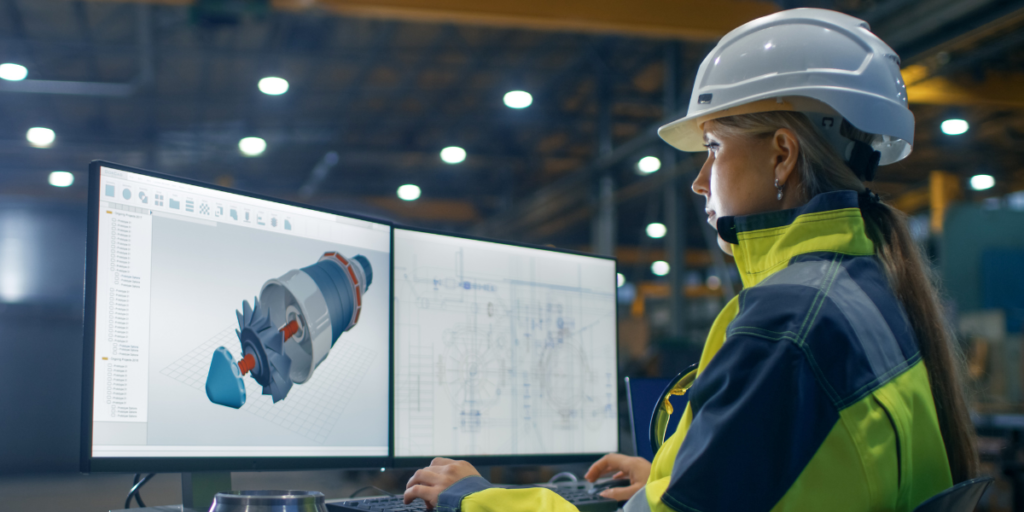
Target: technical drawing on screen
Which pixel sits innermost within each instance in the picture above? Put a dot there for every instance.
(233, 326)
(502, 349)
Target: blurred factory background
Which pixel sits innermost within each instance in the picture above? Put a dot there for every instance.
(529, 121)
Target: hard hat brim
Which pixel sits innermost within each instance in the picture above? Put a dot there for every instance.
(687, 134)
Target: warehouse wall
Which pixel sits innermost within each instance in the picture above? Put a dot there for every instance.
(42, 261)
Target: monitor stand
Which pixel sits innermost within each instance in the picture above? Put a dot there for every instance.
(197, 492)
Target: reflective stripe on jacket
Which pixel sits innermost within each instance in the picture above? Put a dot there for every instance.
(810, 394)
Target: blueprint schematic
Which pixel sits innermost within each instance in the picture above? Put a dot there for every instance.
(502, 350)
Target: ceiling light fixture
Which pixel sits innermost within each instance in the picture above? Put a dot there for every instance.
(252, 146)
(982, 182)
(656, 230)
(713, 282)
(40, 137)
(61, 178)
(274, 86)
(13, 72)
(408, 192)
(660, 268)
(453, 155)
(954, 126)
(518, 99)
(648, 165)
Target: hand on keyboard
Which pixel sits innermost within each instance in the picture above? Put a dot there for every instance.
(429, 482)
(636, 469)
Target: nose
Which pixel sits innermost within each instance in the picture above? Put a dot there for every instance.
(702, 184)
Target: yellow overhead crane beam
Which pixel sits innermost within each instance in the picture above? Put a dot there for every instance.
(926, 85)
(693, 20)
(944, 189)
(696, 20)
(997, 89)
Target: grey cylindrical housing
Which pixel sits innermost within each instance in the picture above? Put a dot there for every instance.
(269, 501)
(325, 299)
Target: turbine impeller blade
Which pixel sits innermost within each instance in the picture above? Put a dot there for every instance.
(246, 313)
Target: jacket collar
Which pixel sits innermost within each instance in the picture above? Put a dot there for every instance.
(764, 243)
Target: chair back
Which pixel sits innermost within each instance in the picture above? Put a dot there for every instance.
(962, 497)
(642, 396)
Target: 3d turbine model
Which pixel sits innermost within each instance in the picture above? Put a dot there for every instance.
(291, 328)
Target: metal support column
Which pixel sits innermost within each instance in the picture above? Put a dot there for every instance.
(675, 218)
(604, 222)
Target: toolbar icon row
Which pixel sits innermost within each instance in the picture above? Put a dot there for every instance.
(203, 208)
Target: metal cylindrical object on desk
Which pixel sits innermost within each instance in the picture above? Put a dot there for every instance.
(269, 501)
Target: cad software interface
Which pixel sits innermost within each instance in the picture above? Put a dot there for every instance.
(228, 326)
(502, 350)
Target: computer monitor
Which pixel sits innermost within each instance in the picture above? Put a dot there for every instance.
(229, 331)
(503, 353)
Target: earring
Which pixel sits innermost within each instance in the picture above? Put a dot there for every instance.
(779, 188)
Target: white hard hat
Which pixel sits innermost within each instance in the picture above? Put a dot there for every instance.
(805, 60)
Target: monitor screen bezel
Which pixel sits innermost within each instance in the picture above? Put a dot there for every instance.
(88, 463)
(492, 460)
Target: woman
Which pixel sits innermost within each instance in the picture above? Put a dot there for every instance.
(829, 382)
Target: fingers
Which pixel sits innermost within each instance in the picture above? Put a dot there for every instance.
(622, 493)
(441, 461)
(620, 474)
(610, 462)
(426, 493)
(427, 476)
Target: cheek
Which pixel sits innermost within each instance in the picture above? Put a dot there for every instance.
(721, 187)
(716, 178)
(737, 187)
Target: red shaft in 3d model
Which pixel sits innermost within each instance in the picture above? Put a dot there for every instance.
(290, 329)
(247, 363)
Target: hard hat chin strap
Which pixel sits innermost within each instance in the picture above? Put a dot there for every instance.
(860, 156)
(863, 160)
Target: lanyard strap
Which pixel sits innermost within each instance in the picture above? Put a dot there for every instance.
(663, 409)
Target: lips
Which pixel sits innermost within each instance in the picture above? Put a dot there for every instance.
(712, 218)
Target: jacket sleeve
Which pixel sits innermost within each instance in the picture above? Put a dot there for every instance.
(759, 416)
(474, 494)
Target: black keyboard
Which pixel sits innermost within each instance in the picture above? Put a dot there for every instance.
(376, 503)
(579, 495)
(575, 493)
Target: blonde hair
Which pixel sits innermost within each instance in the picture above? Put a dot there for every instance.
(821, 169)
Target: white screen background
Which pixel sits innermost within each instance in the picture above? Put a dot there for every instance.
(502, 350)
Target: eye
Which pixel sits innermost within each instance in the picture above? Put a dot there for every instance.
(712, 146)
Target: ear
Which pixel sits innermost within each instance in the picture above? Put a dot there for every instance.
(785, 152)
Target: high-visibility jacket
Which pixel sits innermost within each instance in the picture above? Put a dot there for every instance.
(810, 392)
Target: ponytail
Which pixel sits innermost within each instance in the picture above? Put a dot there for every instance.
(911, 281)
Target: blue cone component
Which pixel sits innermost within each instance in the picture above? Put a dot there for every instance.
(367, 269)
(224, 383)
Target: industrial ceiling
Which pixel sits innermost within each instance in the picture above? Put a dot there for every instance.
(378, 88)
